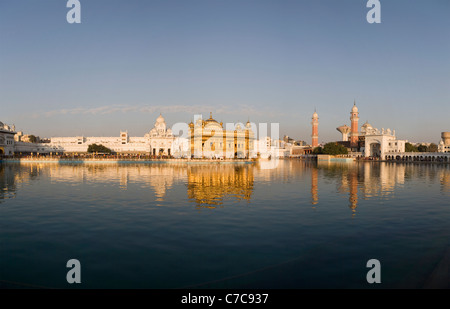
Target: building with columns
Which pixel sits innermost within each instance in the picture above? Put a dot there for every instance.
(158, 142)
(160, 138)
(209, 140)
(379, 144)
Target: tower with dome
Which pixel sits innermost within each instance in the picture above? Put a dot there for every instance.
(315, 130)
(369, 141)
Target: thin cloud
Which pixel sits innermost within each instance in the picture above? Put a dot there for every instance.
(189, 109)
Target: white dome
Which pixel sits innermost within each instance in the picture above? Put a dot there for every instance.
(160, 119)
(366, 125)
(354, 108)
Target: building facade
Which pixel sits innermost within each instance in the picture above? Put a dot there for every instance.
(158, 142)
(379, 144)
(444, 144)
(209, 139)
(369, 141)
(160, 138)
(7, 139)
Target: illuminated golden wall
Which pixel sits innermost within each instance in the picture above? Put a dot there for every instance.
(208, 185)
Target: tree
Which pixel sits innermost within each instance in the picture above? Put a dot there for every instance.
(317, 150)
(433, 148)
(334, 149)
(422, 148)
(98, 148)
(32, 139)
(410, 148)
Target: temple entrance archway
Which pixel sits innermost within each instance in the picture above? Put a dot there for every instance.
(375, 150)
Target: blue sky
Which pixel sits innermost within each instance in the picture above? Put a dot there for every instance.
(270, 61)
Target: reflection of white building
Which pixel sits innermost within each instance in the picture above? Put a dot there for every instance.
(6, 139)
(379, 144)
(159, 141)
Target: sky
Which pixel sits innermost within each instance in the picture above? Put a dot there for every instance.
(265, 61)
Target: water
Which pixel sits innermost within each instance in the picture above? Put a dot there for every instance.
(301, 225)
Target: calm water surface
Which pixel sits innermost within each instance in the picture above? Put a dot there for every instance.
(300, 225)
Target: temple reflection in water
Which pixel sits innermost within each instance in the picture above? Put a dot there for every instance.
(209, 185)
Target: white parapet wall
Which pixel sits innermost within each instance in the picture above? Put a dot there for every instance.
(419, 156)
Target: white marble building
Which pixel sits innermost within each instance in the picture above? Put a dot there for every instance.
(159, 141)
(268, 148)
(160, 138)
(181, 147)
(379, 144)
(444, 144)
(7, 139)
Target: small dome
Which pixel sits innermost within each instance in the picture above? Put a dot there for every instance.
(210, 120)
(366, 125)
(160, 119)
(315, 115)
(354, 108)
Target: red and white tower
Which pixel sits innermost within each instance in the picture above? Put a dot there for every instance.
(354, 126)
(315, 130)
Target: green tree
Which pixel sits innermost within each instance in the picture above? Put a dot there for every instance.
(32, 138)
(334, 149)
(317, 150)
(422, 148)
(410, 148)
(433, 147)
(98, 148)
